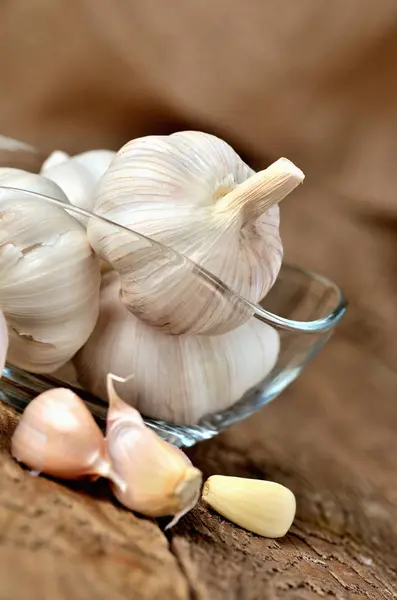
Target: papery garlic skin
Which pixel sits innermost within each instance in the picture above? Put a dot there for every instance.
(57, 435)
(17, 178)
(181, 190)
(78, 175)
(176, 378)
(263, 507)
(157, 478)
(3, 342)
(49, 276)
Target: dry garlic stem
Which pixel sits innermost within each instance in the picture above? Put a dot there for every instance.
(49, 275)
(3, 342)
(57, 435)
(263, 507)
(78, 175)
(191, 192)
(177, 378)
(159, 480)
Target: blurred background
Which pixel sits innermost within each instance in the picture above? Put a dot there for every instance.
(313, 81)
(310, 80)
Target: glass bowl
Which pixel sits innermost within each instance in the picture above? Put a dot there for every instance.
(301, 306)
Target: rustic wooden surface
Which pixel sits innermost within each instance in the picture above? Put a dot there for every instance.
(331, 437)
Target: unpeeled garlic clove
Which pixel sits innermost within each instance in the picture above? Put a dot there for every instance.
(158, 479)
(57, 435)
(263, 507)
(3, 341)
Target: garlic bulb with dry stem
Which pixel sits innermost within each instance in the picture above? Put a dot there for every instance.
(3, 342)
(57, 435)
(177, 378)
(49, 276)
(157, 478)
(191, 192)
(78, 175)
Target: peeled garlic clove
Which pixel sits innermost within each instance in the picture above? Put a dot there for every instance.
(158, 479)
(57, 435)
(191, 192)
(49, 275)
(178, 379)
(263, 507)
(78, 175)
(3, 342)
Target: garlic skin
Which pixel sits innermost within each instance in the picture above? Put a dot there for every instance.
(158, 479)
(176, 378)
(191, 192)
(78, 175)
(3, 342)
(49, 276)
(263, 507)
(57, 435)
(33, 182)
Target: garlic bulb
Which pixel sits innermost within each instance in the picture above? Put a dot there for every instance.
(57, 435)
(176, 378)
(3, 342)
(157, 478)
(191, 192)
(78, 175)
(49, 276)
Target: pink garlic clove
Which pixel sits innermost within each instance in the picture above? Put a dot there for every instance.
(57, 435)
(159, 479)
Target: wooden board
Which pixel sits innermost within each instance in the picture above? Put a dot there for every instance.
(331, 437)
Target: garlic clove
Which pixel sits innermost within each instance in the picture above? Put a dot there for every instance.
(3, 341)
(57, 435)
(263, 507)
(191, 192)
(118, 409)
(159, 479)
(178, 379)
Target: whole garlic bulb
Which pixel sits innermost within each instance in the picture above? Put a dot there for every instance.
(49, 276)
(3, 341)
(78, 175)
(176, 378)
(191, 192)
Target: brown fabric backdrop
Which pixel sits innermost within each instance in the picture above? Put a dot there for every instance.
(309, 79)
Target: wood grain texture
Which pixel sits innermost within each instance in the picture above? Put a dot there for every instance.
(61, 542)
(331, 438)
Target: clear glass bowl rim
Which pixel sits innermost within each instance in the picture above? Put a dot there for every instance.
(320, 325)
